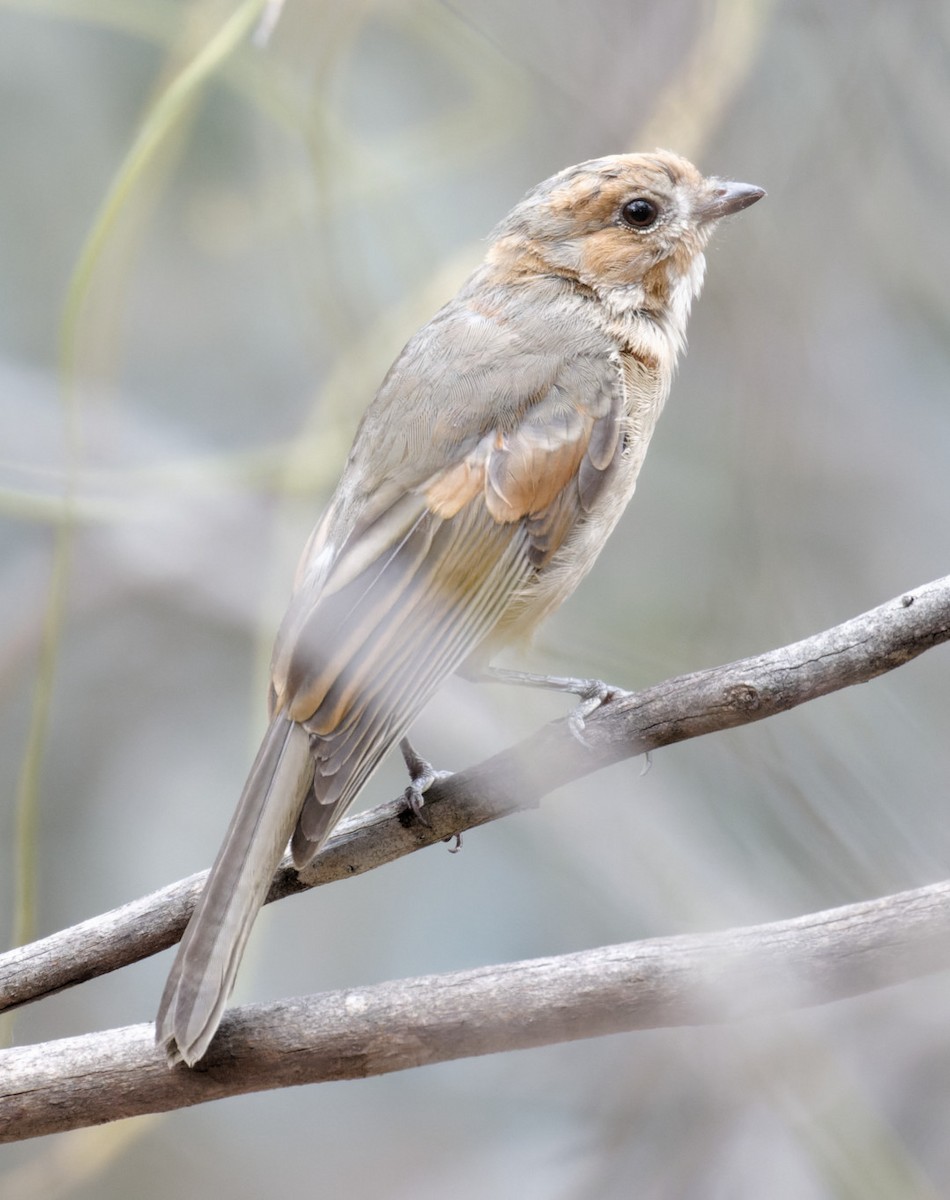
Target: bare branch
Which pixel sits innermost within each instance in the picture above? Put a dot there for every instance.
(688, 706)
(688, 980)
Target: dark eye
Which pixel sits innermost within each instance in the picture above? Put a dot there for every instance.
(640, 213)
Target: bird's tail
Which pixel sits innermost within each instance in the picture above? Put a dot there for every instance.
(203, 973)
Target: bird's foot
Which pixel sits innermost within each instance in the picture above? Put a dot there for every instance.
(422, 775)
(593, 693)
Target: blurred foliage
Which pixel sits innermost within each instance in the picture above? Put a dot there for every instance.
(210, 251)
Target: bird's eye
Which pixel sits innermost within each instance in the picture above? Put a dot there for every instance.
(640, 213)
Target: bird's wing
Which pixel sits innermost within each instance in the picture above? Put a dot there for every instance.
(418, 582)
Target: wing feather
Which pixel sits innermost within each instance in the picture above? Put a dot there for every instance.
(414, 587)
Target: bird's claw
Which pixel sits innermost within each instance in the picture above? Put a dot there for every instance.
(422, 775)
(594, 694)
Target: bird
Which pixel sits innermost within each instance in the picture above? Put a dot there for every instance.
(484, 479)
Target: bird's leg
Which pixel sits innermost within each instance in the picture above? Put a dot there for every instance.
(422, 775)
(592, 692)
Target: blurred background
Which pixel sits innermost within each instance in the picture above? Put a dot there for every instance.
(210, 252)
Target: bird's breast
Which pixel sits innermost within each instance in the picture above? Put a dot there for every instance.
(646, 384)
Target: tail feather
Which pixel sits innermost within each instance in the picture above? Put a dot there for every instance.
(203, 973)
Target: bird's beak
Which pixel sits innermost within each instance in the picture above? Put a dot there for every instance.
(726, 197)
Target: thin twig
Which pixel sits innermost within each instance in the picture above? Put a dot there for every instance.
(688, 706)
(690, 980)
(670, 981)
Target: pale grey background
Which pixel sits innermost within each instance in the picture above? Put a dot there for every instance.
(325, 196)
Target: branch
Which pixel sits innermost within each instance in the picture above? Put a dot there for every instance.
(688, 980)
(685, 707)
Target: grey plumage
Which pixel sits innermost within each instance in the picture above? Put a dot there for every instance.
(484, 479)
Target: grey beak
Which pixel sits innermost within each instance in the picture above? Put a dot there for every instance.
(726, 197)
